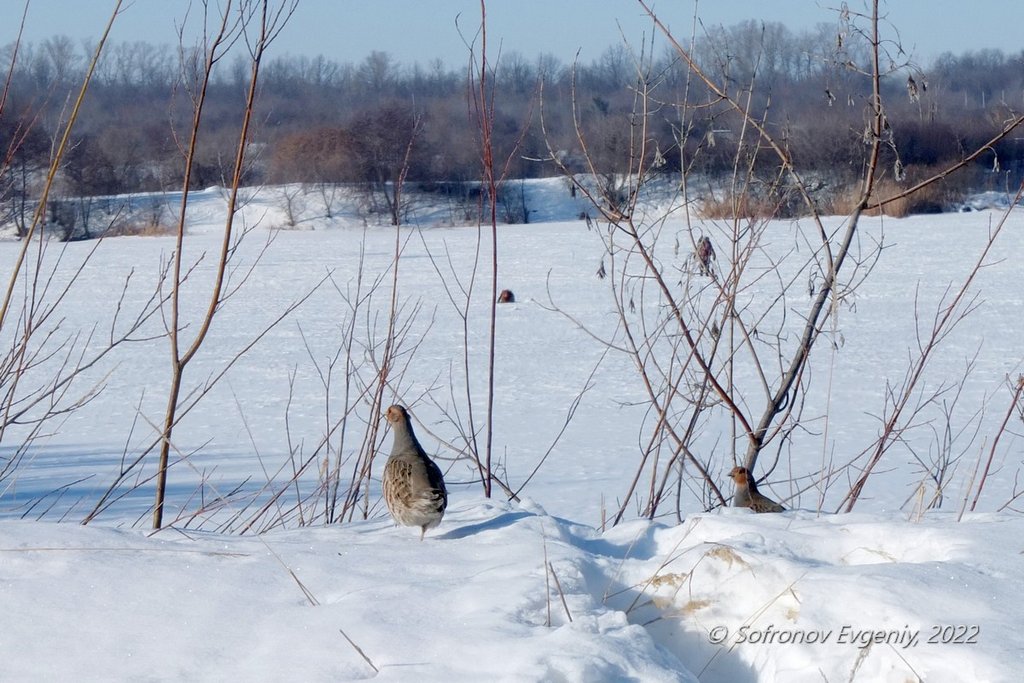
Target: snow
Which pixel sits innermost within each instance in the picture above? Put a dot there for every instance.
(482, 597)
(118, 606)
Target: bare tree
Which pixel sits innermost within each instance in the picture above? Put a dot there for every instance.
(257, 24)
(384, 149)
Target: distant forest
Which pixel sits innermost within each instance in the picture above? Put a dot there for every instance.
(320, 121)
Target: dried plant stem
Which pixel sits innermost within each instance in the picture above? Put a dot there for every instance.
(561, 594)
(1012, 409)
(359, 650)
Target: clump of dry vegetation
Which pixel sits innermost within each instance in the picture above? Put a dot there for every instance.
(942, 195)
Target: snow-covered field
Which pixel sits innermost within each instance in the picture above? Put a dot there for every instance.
(519, 591)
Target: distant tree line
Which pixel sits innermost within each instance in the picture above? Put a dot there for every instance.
(321, 121)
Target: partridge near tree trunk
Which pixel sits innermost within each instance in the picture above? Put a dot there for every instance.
(413, 485)
(747, 495)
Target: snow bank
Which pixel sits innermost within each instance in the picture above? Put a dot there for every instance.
(727, 597)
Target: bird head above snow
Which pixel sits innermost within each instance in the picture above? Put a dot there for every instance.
(740, 475)
(396, 414)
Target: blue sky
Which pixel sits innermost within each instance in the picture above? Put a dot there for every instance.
(424, 30)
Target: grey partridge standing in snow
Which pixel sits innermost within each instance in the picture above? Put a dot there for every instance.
(413, 485)
(747, 495)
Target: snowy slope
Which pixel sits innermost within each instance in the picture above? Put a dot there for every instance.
(472, 602)
(467, 605)
(792, 597)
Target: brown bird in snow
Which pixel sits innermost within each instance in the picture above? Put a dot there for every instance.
(747, 495)
(413, 484)
(705, 254)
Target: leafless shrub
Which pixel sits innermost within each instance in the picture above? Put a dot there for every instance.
(44, 363)
(714, 352)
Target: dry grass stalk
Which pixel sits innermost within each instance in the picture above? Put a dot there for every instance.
(359, 650)
(561, 594)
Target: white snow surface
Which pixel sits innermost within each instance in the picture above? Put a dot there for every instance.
(528, 590)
